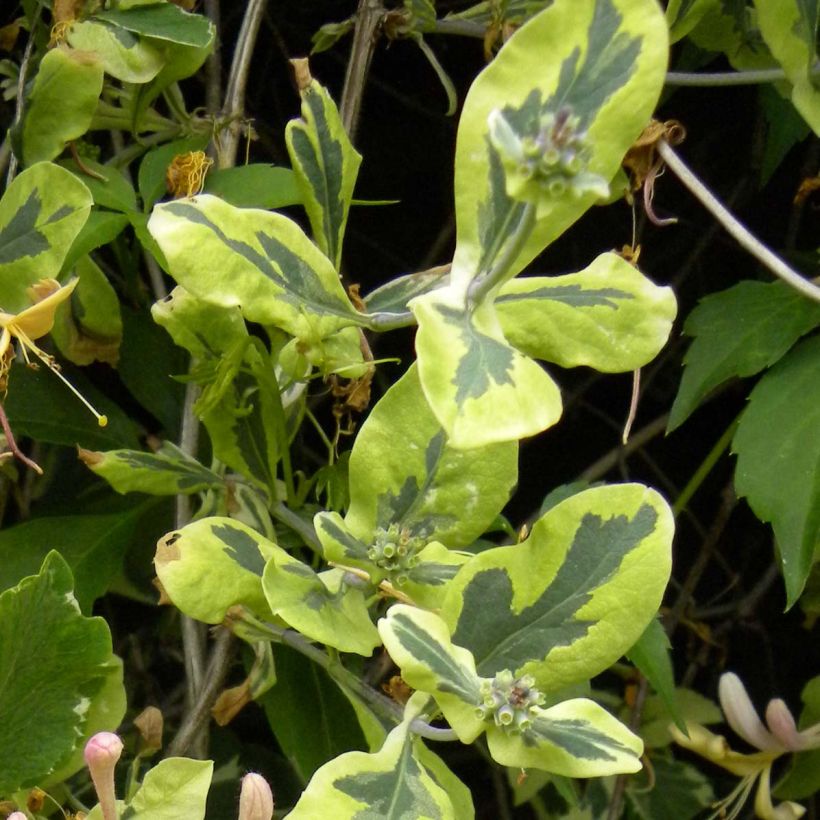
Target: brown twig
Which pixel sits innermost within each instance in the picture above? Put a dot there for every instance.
(12, 444)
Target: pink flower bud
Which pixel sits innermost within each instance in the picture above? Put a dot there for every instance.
(781, 724)
(17, 815)
(255, 799)
(102, 752)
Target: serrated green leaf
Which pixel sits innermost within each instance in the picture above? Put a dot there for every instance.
(571, 599)
(651, 655)
(480, 389)
(90, 330)
(326, 165)
(212, 564)
(258, 260)
(168, 471)
(392, 784)
(163, 21)
(122, 54)
(606, 62)
(41, 213)
(739, 332)
(309, 737)
(404, 472)
(176, 787)
(254, 186)
(609, 316)
(778, 465)
(44, 701)
(790, 29)
(576, 738)
(94, 546)
(62, 103)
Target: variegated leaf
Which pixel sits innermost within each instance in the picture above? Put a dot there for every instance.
(608, 316)
(123, 55)
(213, 564)
(571, 599)
(393, 297)
(169, 471)
(419, 643)
(480, 389)
(41, 213)
(320, 605)
(402, 781)
(601, 61)
(404, 472)
(576, 738)
(326, 165)
(257, 260)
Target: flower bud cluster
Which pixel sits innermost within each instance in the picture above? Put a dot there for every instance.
(550, 162)
(395, 551)
(509, 702)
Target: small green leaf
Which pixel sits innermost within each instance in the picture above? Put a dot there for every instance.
(326, 165)
(123, 55)
(571, 599)
(62, 103)
(309, 737)
(691, 708)
(91, 330)
(392, 784)
(676, 789)
(212, 564)
(394, 296)
(176, 787)
(609, 316)
(480, 389)
(739, 332)
(169, 471)
(100, 228)
(163, 21)
(113, 191)
(778, 465)
(45, 701)
(790, 29)
(254, 186)
(651, 655)
(41, 213)
(576, 738)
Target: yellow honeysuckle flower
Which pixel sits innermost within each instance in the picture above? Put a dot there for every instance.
(33, 323)
(778, 737)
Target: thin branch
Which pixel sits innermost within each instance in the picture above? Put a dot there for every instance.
(234, 106)
(21, 93)
(196, 721)
(213, 65)
(365, 35)
(726, 78)
(746, 239)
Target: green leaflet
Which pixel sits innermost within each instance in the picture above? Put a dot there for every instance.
(62, 104)
(47, 705)
(683, 15)
(606, 61)
(402, 781)
(790, 29)
(752, 325)
(320, 605)
(259, 261)
(91, 329)
(730, 26)
(162, 21)
(609, 316)
(326, 165)
(169, 471)
(480, 389)
(122, 54)
(571, 599)
(394, 296)
(576, 738)
(212, 564)
(778, 465)
(403, 471)
(254, 186)
(113, 190)
(176, 787)
(41, 213)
